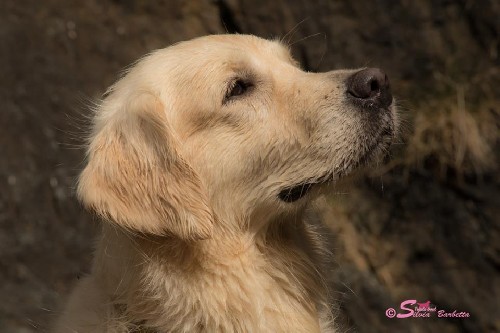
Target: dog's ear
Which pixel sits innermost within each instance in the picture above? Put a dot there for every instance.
(135, 176)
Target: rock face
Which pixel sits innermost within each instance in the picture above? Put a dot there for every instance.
(426, 231)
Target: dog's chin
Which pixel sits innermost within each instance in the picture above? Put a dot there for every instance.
(378, 149)
(375, 152)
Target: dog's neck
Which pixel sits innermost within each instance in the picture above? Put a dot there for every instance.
(269, 261)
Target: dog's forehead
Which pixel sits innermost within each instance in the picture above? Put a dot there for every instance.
(245, 43)
(240, 48)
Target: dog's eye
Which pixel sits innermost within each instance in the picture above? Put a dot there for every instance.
(239, 87)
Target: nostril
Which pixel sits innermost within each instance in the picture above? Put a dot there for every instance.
(374, 86)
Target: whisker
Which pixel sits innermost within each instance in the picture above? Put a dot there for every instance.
(292, 32)
(307, 37)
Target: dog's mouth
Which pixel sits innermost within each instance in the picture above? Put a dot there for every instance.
(380, 144)
(292, 194)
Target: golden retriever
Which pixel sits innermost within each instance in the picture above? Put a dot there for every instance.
(202, 161)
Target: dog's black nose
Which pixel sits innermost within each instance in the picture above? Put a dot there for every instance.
(370, 85)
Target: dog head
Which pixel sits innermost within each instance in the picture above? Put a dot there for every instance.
(228, 129)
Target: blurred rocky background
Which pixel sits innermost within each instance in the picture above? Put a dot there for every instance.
(425, 225)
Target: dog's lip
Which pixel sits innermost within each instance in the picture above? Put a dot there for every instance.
(296, 192)
(300, 190)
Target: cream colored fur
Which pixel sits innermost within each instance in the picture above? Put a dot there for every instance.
(188, 178)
